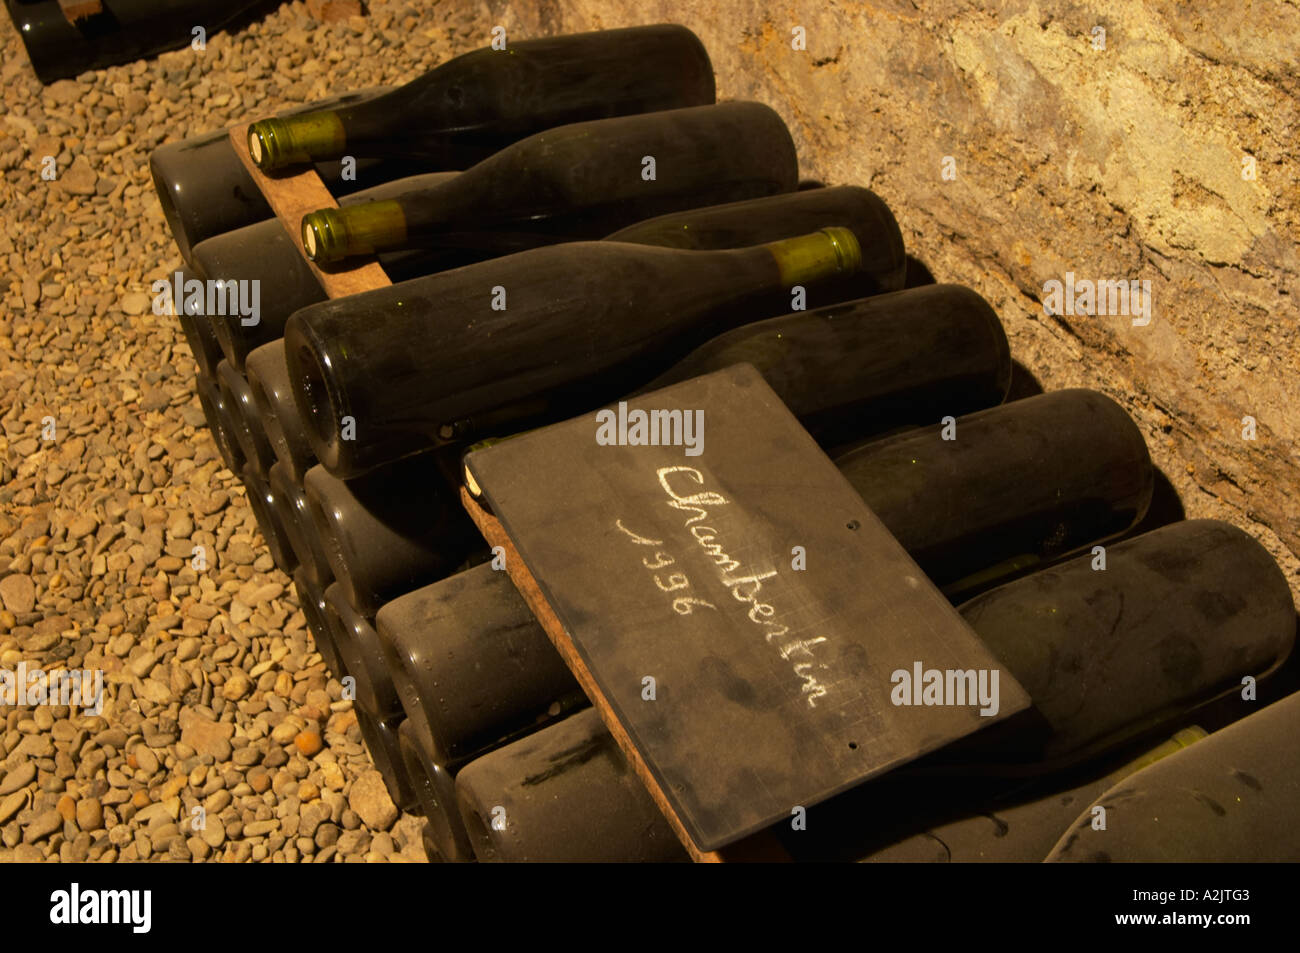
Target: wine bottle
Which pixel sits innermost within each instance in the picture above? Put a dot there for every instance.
(128, 30)
(268, 381)
(410, 362)
(365, 655)
(580, 181)
(574, 762)
(773, 217)
(1017, 826)
(299, 526)
(435, 791)
(1056, 500)
(852, 371)
(478, 103)
(270, 520)
(248, 430)
(379, 547)
(221, 423)
(206, 190)
(264, 252)
(198, 332)
(437, 660)
(381, 738)
(311, 599)
(1228, 799)
(1173, 592)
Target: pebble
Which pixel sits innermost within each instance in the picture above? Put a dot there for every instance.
(369, 799)
(19, 777)
(18, 593)
(90, 814)
(308, 742)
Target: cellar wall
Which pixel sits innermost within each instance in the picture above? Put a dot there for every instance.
(1131, 162)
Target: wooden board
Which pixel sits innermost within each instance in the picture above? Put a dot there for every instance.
(772, 685)
(291, 196)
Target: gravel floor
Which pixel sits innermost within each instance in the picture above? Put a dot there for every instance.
(215, 697)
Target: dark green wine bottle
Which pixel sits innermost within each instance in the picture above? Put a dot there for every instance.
(221, 423)
(1228, 799)
(755, 221)
(377, 543)
(1081, 475)
(247, 419)
(268, 381)
(198, 331)
(407, 364)
(508, 800)
(311, 599)
(1011, 826)
(295, 515)
(474, 105)
(270, 516)
(580, 181)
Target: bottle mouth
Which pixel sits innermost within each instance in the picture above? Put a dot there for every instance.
(324, 236)
(268, 141)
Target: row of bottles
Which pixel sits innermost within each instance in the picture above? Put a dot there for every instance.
(550, 276)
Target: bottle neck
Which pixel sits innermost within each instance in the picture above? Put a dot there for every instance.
(810, 258)
(278, 142)
(330, 234)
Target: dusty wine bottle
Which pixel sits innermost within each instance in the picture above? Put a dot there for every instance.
(379, 732)
(1230, 798)
(377, 546)
(124, 31)
(364, 653)
(311, 599)
(268, 381)
(1055, 501)
(768, 219)
(299, 526)
(1187, 574)
(198, 332)
(1018, 826)
(205, 189)
(221, 423)
(264, 252)
(435, 790)
(580, 181)
(270, 520)
(474, 105)
(248, 429)
(508, 800)
(409, 362)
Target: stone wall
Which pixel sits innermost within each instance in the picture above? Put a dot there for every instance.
(1119, 163)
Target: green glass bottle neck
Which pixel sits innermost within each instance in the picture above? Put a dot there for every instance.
(809, 258)
(279, 142)
(331, 234)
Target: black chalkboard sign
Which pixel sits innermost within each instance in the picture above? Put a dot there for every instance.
(758, 635)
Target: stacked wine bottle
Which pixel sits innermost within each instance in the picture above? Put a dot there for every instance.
(646, 234)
